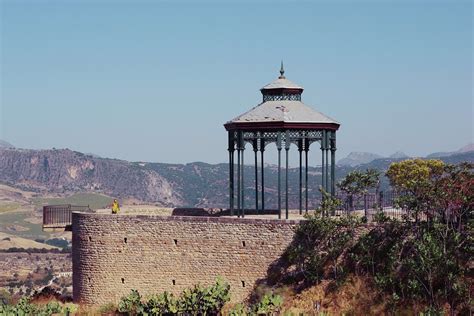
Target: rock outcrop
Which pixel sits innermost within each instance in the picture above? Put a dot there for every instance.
(63, 171)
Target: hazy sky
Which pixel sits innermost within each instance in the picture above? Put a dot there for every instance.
(157, 81)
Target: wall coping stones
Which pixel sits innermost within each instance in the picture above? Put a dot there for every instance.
(202, 219)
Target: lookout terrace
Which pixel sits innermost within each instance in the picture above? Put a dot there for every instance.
(155, 250)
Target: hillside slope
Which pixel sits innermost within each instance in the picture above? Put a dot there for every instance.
(62, 171)
(8, 241)
(186, 185)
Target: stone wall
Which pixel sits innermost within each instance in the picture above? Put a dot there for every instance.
(113, 254)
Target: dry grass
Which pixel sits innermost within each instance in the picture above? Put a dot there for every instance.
(354, 297)
(108, 310)
(8, 207)
(10, 241)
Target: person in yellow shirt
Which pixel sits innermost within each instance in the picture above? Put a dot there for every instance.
(115, 207)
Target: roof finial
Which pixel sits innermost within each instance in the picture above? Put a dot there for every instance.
(282, 71)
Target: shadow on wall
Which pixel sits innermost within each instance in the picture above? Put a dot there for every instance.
(316, 253)
(282, 272)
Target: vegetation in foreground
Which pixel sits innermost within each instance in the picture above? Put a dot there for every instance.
(25, 307)
(411, 265)
(198, 300)
(44, 303)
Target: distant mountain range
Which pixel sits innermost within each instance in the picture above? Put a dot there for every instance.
(398, 155)
(4, 144)
(197, 184)
(359, 158)
(465, 149)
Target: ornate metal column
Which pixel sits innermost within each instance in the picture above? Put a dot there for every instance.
(306, 149)
(323, 172)
(279, 173)
(240, 163)
(231, 172)
(326, 143)
(243, 183)
(300, 151)
(287, 149)
(333, 163)
(262, 149)
(238, 174)
(255, 150)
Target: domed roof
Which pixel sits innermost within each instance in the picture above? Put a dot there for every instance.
(282, 108)
(281, 82)
(283, 111)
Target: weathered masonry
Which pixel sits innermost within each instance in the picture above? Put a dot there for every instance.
(113, 254)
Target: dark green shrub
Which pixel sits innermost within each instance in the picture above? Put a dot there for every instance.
(426, 262)
(380, 217)
(131, 304)
(198, 300)
(204, 300)
(318, 244)
(163, 304)
(268, 305)
(238, 310)
(25, 307)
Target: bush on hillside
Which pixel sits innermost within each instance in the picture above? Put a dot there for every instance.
(25, 307)
(198, 300)
(424, 262)
(317, 246)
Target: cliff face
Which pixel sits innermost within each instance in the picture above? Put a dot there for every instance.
(64, 171)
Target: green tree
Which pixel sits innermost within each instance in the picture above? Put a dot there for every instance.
(434, 189)
(329, 204)
(414, 180)
(454, 194)
(357, 183)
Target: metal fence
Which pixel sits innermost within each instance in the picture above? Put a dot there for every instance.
(371, 203)
(59, 216)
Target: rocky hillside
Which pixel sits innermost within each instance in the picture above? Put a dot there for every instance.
(186, 185)
(63, 171)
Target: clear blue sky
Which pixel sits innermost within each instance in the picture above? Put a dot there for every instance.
(156, 81)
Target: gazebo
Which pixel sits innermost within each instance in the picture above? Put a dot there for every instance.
(282, 119)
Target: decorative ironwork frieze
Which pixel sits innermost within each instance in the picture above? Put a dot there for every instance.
(282, 97)
(261, 138)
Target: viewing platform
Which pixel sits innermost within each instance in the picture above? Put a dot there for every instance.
(59, 217)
